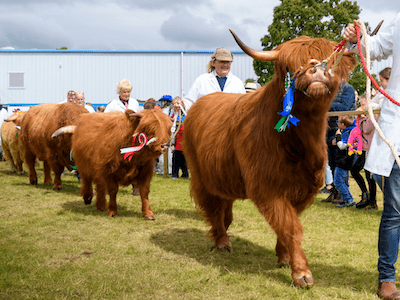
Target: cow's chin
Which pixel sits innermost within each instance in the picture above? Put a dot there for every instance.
(317, 89)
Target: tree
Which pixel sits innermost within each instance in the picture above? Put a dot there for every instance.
(313, 18)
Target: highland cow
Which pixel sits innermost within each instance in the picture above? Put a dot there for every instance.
(238, 147)
(38, 125)
(98, 143)
(11, 143)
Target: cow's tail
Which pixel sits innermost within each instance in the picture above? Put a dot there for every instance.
(62, 130)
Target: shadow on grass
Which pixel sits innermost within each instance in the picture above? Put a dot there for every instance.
(125, 211)
(250, 258)
(68, 188)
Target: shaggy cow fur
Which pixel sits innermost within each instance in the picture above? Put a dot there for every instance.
(36, 130)
(96, 142)
(234, 152)
(11, 143)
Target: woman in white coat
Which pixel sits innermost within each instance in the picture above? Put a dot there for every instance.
(217, 79)
(124, 101)
(380, 160)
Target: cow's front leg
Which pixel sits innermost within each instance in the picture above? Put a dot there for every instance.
(284, 220)
(144, 191)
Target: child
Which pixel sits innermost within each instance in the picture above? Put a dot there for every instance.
(368, 200)
(178, 158)
(343, 161)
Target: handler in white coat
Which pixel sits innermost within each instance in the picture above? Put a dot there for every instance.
(124, 88)
(217, 79)
(380, 160)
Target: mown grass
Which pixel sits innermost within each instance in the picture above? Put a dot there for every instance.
(52, 246)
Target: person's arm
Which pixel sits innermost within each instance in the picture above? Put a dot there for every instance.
(346, 102)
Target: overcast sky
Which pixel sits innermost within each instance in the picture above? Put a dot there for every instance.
(148, 24)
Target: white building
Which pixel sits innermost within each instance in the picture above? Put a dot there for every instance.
(30, 77)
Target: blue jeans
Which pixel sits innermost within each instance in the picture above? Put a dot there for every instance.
(389, 229)
(341, 180)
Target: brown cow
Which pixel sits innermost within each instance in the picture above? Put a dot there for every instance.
(38, 125)
(234, 152)
(11, 143)
(97, 141)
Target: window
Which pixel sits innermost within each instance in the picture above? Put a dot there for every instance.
(16, 80)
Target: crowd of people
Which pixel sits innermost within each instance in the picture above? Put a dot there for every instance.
(344, 155)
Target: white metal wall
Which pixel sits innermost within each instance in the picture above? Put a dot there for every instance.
(49, 74)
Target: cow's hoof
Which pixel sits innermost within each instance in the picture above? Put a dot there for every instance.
(112, 215)
(33, 182)
(57, 188)
(88, 200)
(223, 248)
(304, 281)
(149, 217)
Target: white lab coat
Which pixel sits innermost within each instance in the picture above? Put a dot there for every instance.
(117, 105)
(207, 83)
(380, 159)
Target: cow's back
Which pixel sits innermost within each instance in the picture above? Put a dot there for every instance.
(41, 121)
(97, 140)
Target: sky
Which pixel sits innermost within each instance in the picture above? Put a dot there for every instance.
(149, 24)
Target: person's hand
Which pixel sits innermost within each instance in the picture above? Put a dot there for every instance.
(338, 131)
(350, 33)
(334, 142)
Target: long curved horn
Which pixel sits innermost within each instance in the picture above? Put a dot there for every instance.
(259, 55)
(65, 129)
(377, 28)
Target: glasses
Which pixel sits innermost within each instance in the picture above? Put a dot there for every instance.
(71, 93)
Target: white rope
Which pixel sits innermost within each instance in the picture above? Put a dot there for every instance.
(370, 112)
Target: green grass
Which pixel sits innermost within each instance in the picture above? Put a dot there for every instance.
(52, 246)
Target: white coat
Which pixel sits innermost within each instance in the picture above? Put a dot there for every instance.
(380, 159)
(207, 83)
(117, 105)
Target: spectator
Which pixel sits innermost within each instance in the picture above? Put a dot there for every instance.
(380, 160)
(101, 108)
(124, 88)
(166, 106)
(80, 99)
(368, 198)
(178, 158)
(343, 162)
(384, 75)
(70, 97)
(344, 101)
(217, 79)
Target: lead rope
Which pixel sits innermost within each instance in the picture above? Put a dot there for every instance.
(368, 86)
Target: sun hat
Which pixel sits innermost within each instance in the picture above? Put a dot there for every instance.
(250, 86)
(166, 97)
(222, 54)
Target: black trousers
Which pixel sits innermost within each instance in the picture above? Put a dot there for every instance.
(179, 162)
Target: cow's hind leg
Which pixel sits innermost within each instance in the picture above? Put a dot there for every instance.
(284, 220)
(218, 213)
(86, 189)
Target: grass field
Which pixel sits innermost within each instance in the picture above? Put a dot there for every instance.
(52, 246)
